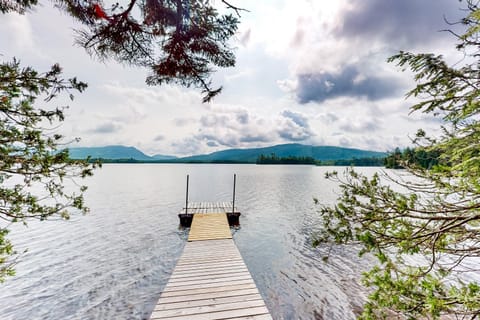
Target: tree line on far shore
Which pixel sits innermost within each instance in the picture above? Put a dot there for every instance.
(274, 159)
(394, 160)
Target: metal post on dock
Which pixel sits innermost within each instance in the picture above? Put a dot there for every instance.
(234, 182)
(186, 197)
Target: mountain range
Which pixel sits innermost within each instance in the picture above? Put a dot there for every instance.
(323, 153)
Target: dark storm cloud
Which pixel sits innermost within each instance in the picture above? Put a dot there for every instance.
(401, 22)
(349, 82)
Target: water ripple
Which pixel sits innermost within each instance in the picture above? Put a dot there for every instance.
(114, 262)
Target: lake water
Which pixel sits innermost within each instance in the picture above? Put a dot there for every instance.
(114, 262)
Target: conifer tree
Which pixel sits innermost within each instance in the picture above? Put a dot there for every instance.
(423, 229)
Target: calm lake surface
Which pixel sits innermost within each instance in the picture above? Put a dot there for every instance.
(114, 262)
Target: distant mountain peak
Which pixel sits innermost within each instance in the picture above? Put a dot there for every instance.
(250, 155)
(108, 152)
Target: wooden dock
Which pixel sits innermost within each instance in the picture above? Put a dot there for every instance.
(187, 213)
(208, 207)
(210, 280)
(209, 226)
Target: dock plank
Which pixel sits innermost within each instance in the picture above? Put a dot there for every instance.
(206, 267)
(227, 288)
(213, 281)
(210, 280)
(208, 207)
(209, 227)
(209, 257)
(205, 296)
(233, 307)
(207, 285)
(202, 274)
(207, 302)
(228, 314)
(209, 275)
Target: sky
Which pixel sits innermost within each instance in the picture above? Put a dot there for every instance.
(307, 71)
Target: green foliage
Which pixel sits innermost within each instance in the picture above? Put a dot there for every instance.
(360, 162)
(355, 162)
(409, 157)
(423, 228)
(178, 41)
(32, 174)
(273, 159)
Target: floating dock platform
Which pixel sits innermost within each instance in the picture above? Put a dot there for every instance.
(226, 208)
(210, 280)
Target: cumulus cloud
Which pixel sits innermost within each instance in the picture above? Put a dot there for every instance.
(232, 127)
(235, 136)
(213, 120)
(244, 137)
(227, 140)
(299, 119)
(242, 117)
(361, 126)
(329, 117)
(255, 138)
(294, 126)
(350, 82)
(287, 85)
